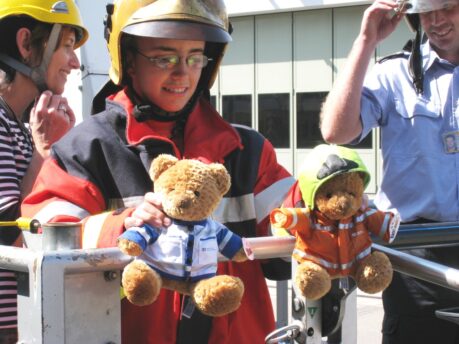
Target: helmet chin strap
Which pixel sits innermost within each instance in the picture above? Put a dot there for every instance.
(415, 60)
(37, 74)
(145, 110)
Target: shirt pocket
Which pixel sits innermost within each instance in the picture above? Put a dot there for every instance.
(171, 248)
(411, 108)
(207, 250)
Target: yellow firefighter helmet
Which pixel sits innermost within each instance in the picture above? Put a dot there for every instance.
(63, 12)
(204, 20)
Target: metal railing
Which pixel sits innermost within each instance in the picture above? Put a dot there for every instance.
(425, 235)
(44, 275)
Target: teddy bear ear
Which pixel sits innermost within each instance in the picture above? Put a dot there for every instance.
(221, 176)
(160, 164)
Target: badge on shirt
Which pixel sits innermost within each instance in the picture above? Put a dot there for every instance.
(451, 141)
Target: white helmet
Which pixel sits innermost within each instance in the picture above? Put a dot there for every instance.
(422, 6)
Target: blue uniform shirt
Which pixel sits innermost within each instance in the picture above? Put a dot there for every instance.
(420, 179)
(185, 250)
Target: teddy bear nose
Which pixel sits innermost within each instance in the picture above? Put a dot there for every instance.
(184, 202)
(344, 203)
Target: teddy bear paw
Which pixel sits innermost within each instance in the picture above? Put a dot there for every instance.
(218, 295)
(141, 283)
(129, 247)
(312, 280)
(374, 273)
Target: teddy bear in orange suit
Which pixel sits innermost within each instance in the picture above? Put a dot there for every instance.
(333, 229)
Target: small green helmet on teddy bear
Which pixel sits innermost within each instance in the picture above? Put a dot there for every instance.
(325, 162)
(333, 229)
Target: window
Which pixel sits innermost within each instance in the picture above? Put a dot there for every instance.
(308, 110)
(308, 119)
(213, 101)
(274, 118)
(238, 109)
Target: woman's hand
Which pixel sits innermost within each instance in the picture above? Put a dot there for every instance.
(150, 211)
(50, 118)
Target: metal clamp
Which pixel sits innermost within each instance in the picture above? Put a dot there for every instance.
(288, 332)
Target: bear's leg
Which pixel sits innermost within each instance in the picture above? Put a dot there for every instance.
(312, 280)
(218, 295)
(374, 273)
(141, 283)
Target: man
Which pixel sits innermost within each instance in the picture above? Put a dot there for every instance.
(164, 57)
(450, 142)
(413, 98)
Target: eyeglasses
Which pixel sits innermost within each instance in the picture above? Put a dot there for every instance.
(195, 61)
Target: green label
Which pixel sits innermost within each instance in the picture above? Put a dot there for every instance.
(312, 311)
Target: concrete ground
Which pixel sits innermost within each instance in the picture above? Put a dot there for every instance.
(369, 318)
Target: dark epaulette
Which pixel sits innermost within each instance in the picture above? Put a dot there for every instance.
(405, 53)
(397, 55)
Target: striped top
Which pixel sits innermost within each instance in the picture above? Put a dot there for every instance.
(8, 300)
(15, 154)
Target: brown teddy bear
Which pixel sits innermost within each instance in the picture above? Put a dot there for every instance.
(333, 230)
(183, 256)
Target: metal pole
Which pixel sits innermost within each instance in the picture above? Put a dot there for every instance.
(425, 235)
(271, 247)
(422, 268)
(73, 261)
(16, 259)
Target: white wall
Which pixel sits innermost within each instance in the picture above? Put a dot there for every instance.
(73, 92)
(94, 59)
(244, 7)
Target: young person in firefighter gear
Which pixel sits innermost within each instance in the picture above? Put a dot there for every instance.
(413, 98)
(164, 57)
(36, 56)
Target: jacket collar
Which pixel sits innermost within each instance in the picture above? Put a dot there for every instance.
(189, 223)
(430, 57)
(207, 136)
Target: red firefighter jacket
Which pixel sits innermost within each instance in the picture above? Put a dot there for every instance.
(99, 171)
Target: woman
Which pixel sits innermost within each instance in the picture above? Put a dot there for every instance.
(36, 57)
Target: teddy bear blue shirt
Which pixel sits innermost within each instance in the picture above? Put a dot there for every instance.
(186, 250)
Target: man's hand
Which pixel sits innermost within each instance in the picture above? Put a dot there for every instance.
(379, 21)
